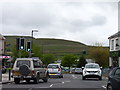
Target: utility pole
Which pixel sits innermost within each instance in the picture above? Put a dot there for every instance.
(33, 30)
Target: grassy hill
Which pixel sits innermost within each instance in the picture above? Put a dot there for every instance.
(58, 47)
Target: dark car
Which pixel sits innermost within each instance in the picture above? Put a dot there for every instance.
(114, 79)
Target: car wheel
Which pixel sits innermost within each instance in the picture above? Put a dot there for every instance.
(16, 80)
(46, 78)
(109, 87)
(36, 80)
(100, 78)
(83, 78)
(61, 76)
(24, 70)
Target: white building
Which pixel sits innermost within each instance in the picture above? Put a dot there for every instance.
(2, 46)
(114, 43)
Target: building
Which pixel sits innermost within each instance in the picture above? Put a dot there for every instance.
(2, 46)
(114, 43)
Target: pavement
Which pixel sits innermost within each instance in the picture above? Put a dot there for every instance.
(5, 78)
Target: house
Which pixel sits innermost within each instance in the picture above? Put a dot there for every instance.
(2, 50)
(114, 43)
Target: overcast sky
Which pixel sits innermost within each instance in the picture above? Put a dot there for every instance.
(86, 22)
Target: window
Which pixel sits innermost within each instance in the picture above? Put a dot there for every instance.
(37, 64)
(117, 73)
(53, 66)
(117, 43)
(21, 62)
(112, 45)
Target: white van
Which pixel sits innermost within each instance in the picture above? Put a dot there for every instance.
(55, 70)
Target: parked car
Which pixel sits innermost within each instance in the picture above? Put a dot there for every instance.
(29, 69)
(78, 70)
(72, 70)
(114, 79)
(55, 70)
(92, 70)
(4, 69)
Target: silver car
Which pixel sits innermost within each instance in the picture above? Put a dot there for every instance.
(55, 70)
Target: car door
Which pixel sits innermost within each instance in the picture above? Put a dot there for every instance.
(116, 79)
(38, 67)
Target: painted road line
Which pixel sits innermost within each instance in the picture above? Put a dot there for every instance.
(74, 76)
(51, 85)
(104, 87)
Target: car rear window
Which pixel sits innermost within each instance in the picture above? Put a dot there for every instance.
(53, 66)
(21, 62)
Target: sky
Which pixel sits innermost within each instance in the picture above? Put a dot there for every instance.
(86, 22)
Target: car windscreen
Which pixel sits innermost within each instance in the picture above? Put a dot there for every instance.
(21, 62)
(92, 66)
(53, 66)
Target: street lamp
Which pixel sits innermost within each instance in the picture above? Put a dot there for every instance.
(33, 30)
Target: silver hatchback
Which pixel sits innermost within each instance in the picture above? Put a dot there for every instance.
(55, 70)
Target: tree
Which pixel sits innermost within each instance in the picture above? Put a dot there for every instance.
(36, 51)
(48, 58)
(68, 60)
(100, 55)
(81, 62)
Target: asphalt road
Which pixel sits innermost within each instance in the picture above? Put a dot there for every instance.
(69, 81)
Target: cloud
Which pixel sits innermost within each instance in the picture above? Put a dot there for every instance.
(67, 20)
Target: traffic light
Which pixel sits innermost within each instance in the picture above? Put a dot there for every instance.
(28, 49)
(18, 43)
(21, 43)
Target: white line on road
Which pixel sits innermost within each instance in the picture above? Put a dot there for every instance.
(104, 87)
(63, 82)
(74, 76)
(51, 85)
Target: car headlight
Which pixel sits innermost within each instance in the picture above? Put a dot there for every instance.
(98, 71)
(85, 71)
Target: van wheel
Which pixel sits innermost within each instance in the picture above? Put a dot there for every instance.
(100, 78)
(36, 80)
(46, 78)
(83, 78)
(16, 80)
(109, 87)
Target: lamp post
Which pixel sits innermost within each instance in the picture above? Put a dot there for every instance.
(33, 30)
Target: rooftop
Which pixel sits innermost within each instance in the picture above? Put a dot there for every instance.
(115, 35)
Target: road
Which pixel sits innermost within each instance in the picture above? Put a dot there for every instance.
(69, 81)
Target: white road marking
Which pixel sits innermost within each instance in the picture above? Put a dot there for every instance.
(51, 85)
(63, 82)
(74, 76)
(104, 87)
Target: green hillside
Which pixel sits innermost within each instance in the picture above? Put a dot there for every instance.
(58, 47)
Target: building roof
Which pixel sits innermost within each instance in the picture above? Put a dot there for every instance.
(1, 37)
(115, 35)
